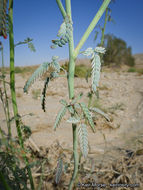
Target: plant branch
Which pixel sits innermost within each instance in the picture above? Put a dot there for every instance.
(71, 66)
(61, 8)
(6, 106)
(91, 27)
(13, 92)
(76, 156)
(103, 30)
(6, 186)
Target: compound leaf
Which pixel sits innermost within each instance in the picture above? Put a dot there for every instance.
(73, 120)
(55, 63)
(70, 109)
(88, 115)
(60, 116)
(59, 170)
(38, 73)
(95, 74)
(83, 139)
(100, 112)
(64, 33)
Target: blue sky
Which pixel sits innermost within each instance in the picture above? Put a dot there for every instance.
(41, 20)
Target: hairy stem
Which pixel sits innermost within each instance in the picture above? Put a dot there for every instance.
(91, 27)
(13, 92)
(71, 70)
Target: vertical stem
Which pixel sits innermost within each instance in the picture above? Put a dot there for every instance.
(6, 106)
(12, 73)
(76, 156)
(13, 92)
(71, 70)
(103, 31)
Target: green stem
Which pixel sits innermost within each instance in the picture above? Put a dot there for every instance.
(91, 27)
(76, 156)
(103, 31)
(71, 70)
(6, 106)
(61, 8)
(13, 92)
(12, 73)
(71, 66)
(6, 186)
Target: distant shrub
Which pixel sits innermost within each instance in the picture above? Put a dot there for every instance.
(28, 69)
(132, 70)
(80, 70)
(117, 52)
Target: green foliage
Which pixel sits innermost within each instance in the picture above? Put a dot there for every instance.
(15, 175)
(41, 70)
(3, 18)
(97, 110)
(117, 52)
(44, 94)
(64, 33)
(29, 42)
(73, 120)
(26, 130)
(80, 70)
(87, 115)
(132, 69)
(59, 170)
(95, 63)
(60, 116)
(83, 139)
(38, 73)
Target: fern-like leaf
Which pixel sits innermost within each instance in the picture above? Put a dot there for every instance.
(73, 120)
(3, 18)
(60, 116)
(96, 66)
(70, 109)
(59, 170)
(38, 73)
(44, 94)
(55, 63)
(88, 115)
(31, 46)
(63, 102)
(100, 112)
(64, 33)
(100, 50)
(88, 52)
(83, 139)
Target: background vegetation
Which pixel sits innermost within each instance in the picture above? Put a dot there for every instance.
(117, 52)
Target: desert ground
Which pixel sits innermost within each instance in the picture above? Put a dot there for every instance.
(120, 96)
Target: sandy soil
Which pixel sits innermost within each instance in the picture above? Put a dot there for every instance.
(121, 95)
